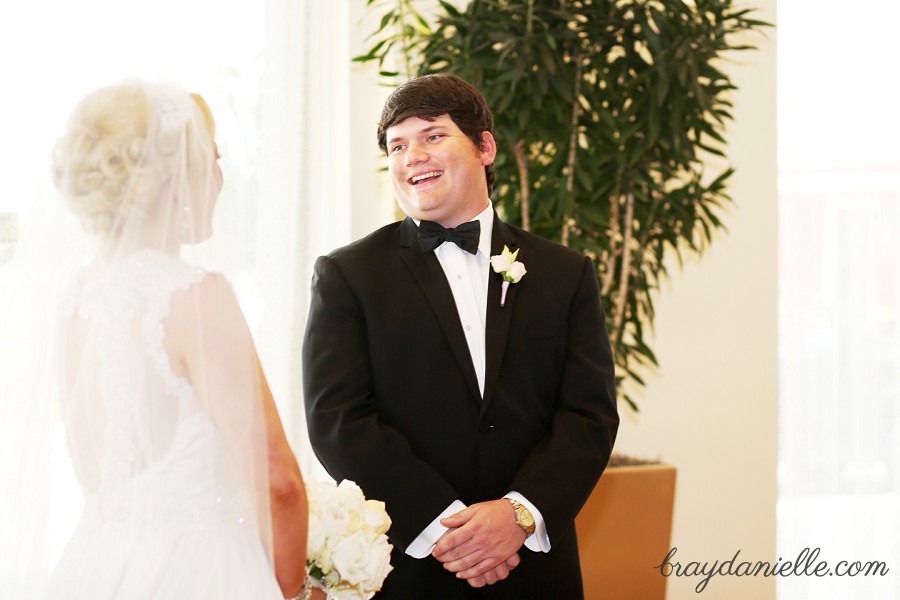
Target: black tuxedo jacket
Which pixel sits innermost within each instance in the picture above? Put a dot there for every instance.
(392, 399)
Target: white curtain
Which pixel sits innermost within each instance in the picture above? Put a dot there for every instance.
(839, 296)
(305, 171)
(319, 183)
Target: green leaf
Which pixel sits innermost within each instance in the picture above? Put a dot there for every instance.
(548, 59)
(630, 403)
(388, 17)
(712, 150)
(719, 181)
(584, 179)
(451, 10)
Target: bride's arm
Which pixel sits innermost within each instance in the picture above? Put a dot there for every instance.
(207, 333)
(290, 517)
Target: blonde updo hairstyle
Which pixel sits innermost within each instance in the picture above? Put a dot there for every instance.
(126, 146)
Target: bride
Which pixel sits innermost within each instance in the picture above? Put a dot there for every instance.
(191, 489)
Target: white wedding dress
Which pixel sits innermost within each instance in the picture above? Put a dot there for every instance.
(166, 513)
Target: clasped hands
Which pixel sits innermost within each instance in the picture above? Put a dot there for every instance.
(482, 542)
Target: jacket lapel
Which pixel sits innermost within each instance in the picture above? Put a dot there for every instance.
(430, 276)
(498, 319)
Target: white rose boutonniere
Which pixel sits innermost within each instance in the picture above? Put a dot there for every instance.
(512, 270)
(347, 549)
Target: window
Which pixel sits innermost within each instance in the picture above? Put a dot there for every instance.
(839, 294)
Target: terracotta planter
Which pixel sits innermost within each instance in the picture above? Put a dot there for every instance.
(624, 531)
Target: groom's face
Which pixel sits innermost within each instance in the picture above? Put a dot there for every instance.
(437, 171)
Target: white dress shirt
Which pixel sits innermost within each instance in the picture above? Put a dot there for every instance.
(468, 276)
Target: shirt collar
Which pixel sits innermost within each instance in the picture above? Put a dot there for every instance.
(486, 217)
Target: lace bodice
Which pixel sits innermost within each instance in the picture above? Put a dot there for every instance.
(117, 359)
(147, 449)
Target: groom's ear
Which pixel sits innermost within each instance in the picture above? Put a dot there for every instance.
(487, 148)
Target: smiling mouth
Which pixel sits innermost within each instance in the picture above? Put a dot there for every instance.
(424, 177)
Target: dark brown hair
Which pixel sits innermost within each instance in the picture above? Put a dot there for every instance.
(431, 96)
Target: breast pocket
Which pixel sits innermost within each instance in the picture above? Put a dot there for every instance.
(547, 350)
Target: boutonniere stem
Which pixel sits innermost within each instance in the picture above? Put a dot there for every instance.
(509, 268)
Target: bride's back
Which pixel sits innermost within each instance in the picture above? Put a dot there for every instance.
(125, 396)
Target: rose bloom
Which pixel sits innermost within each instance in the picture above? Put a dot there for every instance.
(361, 564)
(376, 516)
(379, 563)
(515, 272)
(501, 262)
(315, 543)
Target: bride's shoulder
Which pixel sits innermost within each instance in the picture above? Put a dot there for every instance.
(205, 318)
(208, 293)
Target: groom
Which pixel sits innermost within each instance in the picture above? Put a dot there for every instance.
(483, 426)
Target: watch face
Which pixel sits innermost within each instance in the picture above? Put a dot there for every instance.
(526, 519)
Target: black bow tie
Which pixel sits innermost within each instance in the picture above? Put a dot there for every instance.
(466, 236)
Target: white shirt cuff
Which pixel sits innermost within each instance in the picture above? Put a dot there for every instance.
(424, 543)
(538, 541)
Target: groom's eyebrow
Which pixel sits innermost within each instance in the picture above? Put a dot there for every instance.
(425, 129)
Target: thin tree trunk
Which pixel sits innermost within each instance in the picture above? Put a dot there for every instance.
(622, 292)
(524, 186)
(530, 17)
(614, 229)
(568, 222)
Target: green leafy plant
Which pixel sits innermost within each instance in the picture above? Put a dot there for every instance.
(607, 113)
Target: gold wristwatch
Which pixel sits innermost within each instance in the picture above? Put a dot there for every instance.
(523, 517)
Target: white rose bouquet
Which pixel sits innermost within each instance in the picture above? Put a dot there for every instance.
(348, 548)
